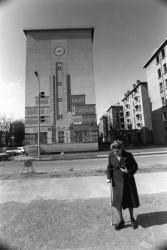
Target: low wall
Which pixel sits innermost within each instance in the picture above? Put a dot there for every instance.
(58, 148)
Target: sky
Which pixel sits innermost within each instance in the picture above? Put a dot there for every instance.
(126, 34)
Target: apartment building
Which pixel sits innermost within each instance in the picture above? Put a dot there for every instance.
(137, 114)
(115, 117)
(103, 129)
(61, 62)
(156, 73)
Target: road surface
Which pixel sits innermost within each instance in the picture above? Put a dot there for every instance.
(144, 162)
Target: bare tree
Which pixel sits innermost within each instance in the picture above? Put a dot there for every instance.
(17, 129)
(4, 123)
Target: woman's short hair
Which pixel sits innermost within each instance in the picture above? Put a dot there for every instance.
(116, 144)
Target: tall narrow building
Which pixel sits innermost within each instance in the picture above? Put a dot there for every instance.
(137, 114)
(116, 125)
(60, 62)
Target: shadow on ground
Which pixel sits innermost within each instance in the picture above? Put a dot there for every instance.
(152, 219)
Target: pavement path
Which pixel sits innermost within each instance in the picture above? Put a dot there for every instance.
(26, 190)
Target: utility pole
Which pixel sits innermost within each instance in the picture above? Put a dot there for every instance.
(36, 74)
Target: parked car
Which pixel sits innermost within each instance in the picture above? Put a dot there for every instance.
(4, 156)
(10, 151)
(20, 150)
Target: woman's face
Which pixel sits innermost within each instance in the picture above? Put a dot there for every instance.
(117, 151)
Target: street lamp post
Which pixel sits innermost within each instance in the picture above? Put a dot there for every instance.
(36, 74)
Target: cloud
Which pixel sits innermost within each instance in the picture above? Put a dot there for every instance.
(12, 99)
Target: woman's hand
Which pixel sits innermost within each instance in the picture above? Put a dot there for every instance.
(124, 170)
(108, 181)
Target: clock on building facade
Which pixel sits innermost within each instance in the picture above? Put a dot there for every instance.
(59, 51)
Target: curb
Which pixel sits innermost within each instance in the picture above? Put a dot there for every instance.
(87, 156)
(139, 154)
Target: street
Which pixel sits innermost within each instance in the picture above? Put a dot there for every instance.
(145, 162)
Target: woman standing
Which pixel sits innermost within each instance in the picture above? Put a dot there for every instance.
(120, 170)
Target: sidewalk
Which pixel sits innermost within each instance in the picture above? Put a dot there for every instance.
(26, 190)
(75, 214)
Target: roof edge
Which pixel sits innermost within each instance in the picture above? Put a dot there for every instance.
(133, 89)
(114, 105)
(154, 54)
(92, 28)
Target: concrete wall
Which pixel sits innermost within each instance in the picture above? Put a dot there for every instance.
(58, 148)
(146, 105)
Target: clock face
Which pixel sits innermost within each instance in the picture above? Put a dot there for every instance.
(59, 51)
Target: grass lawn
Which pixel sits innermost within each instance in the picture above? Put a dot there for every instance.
(81, 224)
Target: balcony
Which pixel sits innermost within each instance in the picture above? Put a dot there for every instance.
(139, 122)
(126, 101)
(136, 104)
(137, 97)
(137, 111)
(127, 106)
(135, 94)
(138, 126)
(127, 117)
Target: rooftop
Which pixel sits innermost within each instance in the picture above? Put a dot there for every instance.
(114, 106)
(26, 30)
(130, 91)
(155, 53)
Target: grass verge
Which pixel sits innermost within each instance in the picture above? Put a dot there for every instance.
(81, 224)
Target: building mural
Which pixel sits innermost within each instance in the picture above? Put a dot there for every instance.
(63, 59)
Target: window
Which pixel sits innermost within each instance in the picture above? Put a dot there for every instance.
(166, 83)
(165, 68)
(31, 120)
(160, 86)
(78, 99)
(60, 136)
(157, 59)
(78, 136)
(122, 126)
(165, 132)
(163, 101)
(59, 117)
(59, 83)
(163, 53)
(159, 73)
(94, 136)
(59, 66)
(59, 99)
(164, 116)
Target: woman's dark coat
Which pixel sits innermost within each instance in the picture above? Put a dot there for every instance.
(124, 187)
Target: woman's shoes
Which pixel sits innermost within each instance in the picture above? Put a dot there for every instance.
(120, 225)
(134, 224)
